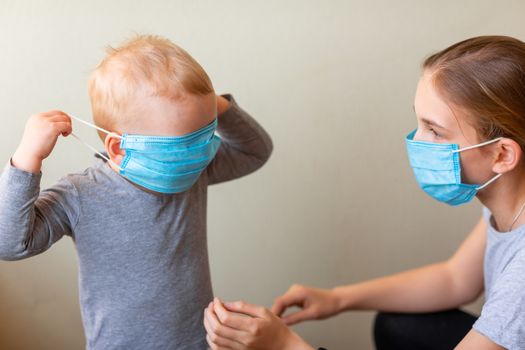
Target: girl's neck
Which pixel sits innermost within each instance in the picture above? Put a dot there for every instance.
(504, 198)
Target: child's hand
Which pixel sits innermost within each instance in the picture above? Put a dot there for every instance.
(222, 105)
(40, 136)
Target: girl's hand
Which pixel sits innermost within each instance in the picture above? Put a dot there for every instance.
(242, 326)
(40, 136)
(316, 304)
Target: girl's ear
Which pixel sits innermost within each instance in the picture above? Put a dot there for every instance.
(507, 155)
(115, 153)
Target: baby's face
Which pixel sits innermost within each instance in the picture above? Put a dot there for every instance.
(161, 116)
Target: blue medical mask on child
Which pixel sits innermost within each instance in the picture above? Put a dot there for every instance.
(437, 170)
(165, 164)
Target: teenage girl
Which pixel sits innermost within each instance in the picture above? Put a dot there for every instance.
(469, 142)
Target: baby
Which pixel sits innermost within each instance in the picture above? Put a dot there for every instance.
(138, 214)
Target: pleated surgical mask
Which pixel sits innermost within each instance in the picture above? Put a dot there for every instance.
(165, 164)
(437, 170)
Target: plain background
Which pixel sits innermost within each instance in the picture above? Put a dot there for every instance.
(333, 83)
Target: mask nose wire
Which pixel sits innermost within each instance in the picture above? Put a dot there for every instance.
(93, 148)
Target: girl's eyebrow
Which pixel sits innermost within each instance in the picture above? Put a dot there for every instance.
(432, 123)
(429, 122)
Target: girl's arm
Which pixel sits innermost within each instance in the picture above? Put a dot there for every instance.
(477, 341)
(435, 287)
(440, 286)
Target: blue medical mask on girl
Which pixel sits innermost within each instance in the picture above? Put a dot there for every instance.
(165, 164)
(437, 170)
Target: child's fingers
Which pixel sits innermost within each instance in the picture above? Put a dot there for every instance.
(63, 128)
(55, 116)
(54, 112)
(59, 118)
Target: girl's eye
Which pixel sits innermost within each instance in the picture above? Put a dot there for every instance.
(433, 131)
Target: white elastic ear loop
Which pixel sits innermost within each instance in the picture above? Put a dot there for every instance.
(96, 127)
(488, 182)
(478, 145)
(93, 148)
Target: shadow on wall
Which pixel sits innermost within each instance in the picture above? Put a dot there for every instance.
(39, 302)
(15, 316)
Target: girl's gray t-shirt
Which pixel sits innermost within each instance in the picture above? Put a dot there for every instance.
(502, 318)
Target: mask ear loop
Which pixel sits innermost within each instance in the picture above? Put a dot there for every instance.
(93, 148)
(489, 182)
(478, 145)
(481, 145)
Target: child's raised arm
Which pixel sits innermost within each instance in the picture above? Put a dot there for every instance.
(245, 146)
(30, 222)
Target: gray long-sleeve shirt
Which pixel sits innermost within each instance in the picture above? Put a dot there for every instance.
(143, 262)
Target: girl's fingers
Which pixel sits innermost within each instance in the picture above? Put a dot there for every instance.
(214, 328)
(240, 307)
(211, 344)
(297, 317)
(222, 343)
(231, 319)
(295, 296)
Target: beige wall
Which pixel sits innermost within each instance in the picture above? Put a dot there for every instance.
(332, 81)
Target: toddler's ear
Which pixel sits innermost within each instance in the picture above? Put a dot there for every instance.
(115, 153)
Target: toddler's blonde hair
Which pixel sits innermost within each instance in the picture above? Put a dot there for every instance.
(146, 65)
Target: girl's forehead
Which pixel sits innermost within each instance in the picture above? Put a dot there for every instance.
(432, 109)
(430, 106)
